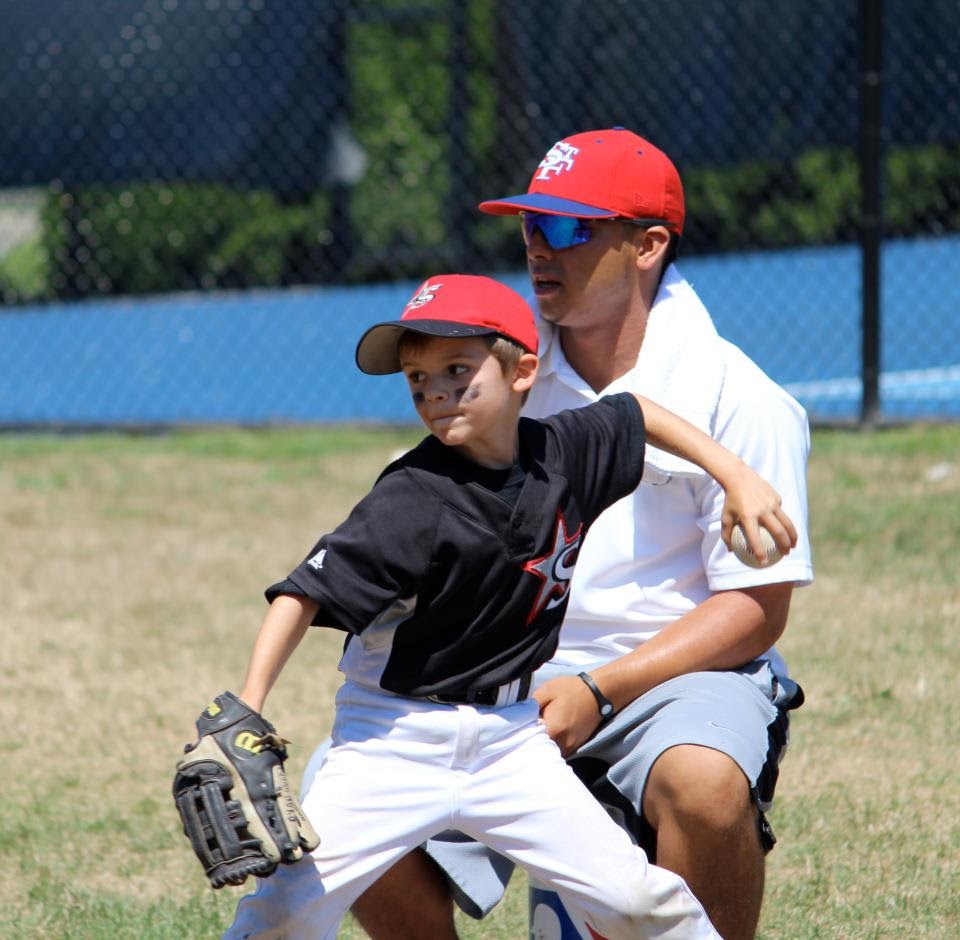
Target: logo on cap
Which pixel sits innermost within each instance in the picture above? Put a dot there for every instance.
(559, 158)
(426, 294)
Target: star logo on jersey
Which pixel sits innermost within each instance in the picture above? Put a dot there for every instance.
(554, 569)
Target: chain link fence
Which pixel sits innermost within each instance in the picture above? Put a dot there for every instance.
(203, 202)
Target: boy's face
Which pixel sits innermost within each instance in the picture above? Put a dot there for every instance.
(463, 397)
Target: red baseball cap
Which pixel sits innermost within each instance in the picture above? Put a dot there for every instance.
(450, 305)
(602, 175)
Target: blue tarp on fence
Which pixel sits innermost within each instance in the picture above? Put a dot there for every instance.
(261, 357)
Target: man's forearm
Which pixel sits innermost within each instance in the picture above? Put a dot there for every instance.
(726, 631)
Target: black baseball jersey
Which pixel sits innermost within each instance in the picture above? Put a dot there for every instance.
(452, 577)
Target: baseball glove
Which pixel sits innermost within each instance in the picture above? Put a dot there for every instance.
(233, 798)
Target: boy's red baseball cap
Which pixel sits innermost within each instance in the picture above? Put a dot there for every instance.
(450, 305)
(602, 175)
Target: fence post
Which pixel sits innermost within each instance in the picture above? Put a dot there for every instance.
(871, 205)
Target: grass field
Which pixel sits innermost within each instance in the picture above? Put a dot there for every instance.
(130, 590)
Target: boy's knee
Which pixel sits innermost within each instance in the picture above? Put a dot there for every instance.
(696, 787)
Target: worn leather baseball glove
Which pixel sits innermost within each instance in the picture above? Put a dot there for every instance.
(233, 798)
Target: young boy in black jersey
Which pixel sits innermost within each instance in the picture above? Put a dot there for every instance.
(451, 577)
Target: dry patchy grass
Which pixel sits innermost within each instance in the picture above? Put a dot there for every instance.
(131, 590)
(869, 800)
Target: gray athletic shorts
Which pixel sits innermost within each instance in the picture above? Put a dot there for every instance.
(743, 714)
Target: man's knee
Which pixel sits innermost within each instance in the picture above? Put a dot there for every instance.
(410, 901)
(698, 787)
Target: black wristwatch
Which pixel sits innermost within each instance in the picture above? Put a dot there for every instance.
(603, 703)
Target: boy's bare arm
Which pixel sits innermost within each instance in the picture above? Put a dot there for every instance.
(280, 633)
(749, 499)
(230, 788)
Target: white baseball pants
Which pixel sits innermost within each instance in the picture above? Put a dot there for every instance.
(401, 770)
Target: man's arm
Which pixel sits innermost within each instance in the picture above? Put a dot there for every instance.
(725, 631)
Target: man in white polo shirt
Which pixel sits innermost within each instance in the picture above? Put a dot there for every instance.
(666, 693)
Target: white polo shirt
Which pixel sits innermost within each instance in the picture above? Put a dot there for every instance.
(656, 554)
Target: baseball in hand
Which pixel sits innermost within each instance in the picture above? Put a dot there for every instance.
(741, 548)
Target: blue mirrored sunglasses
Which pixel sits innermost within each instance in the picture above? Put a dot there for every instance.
(565, 231)
(559, 231)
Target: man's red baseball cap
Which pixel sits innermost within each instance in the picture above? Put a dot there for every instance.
(450, 305)
(602, 175)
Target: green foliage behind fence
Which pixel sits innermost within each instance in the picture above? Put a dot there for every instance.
(153, 237)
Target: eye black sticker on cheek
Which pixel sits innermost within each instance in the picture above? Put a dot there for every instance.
(418, 398)
(470, 393)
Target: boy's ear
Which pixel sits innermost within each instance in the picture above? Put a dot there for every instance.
(526, 372)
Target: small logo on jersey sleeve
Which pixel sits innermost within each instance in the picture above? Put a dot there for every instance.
(554, 568)
(317, 561)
